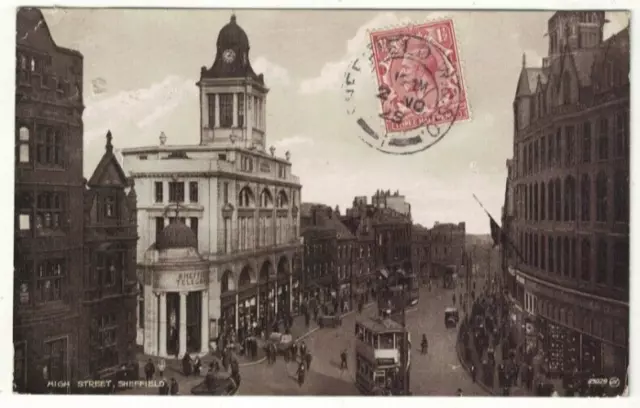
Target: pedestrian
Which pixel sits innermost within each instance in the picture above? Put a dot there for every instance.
(164, 388)
(186, 365)
(473, 372)
(459, 392)
(161, 367)
(197, 366)
(174, 387)
(343, 360)
(149, 370)
(301, 373)
(307, 360)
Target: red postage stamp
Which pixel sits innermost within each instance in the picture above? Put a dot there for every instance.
(419, 76)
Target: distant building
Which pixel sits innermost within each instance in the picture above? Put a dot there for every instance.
(421, 251)
(447, 242)
(239, 200)
(329, 250)
(48, 262)
(393, 201)
(569, 198)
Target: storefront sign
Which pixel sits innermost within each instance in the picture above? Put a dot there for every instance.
(182, 281)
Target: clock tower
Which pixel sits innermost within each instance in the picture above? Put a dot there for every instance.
(232, 95)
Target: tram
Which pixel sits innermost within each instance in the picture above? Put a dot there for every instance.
(392, 296)
(379, 350)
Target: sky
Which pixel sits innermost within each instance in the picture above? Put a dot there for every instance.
(141, 69)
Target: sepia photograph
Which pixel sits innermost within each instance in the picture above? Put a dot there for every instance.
(321, 202)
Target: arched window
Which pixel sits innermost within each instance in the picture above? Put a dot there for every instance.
(245, 198)
(566, 255)
(601, 197)
(551, 264)
(585, 259)
(551, 199)
(569, 199)
(585, 198)
(245, 277)
(282, 201)
(266, 200)
(226, 283)
(601, 261)
(543, 202)
(566, 88)
(621, 196)
(536, 200)
(24, 153)
(558, 198)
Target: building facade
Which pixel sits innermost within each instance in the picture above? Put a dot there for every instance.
(393, 201)
(447, 242)
(421, 252)
(359, 220)
(569, 187)
(108, 314)
(49, 190)
(329, 250)
(240, 201)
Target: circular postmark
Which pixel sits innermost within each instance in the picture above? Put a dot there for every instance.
(405, 91)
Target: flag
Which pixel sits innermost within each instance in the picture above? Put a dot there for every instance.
(496, 232)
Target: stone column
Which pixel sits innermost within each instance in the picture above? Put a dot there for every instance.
(204, 322)
(237, 306)
(162, 332)
(183, 324)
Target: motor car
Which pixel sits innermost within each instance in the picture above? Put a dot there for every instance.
(451, 317)
(218, 384)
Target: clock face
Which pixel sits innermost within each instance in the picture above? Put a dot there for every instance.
(228, 56)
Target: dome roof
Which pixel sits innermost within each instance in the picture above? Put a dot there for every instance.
(176, 235)
(232, 36)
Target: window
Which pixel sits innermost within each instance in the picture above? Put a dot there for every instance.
(110, 207)
(621, 196)
(569, 199)
(543, 202)
(176, 191)
(603, 139)
(551, 199)
(536, 253)
(551, 152)
(24, 210)
(601, 197)
(601, 273)
(558, 158)
(193, 222)
(104, 336)
(536, 199)
(266, 201)
(621, 264)
(622, 133)
(49, 212)
(566, 88)
(24, 152)
(570, 144)
(240, 110)
(585, 263)
(226, 110)
(159, 190)
(527, 249)
(50, 280)
(585, 198)
(551, 262)
(109, 267)
(566, 255)
(586, 142)
(526, 202)
(245, 198)
(543, 153)
(159, 227)
(193, 191)
(225, 192)
(55, 356)
(49, 146)
(558, 256)
(211, 105)
(543, 252)
(282, 171)
(246, 163)
(530, 159)
(536, 155)
(558, 197)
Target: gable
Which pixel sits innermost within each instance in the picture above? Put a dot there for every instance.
(108, 173)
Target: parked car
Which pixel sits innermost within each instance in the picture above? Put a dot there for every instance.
(218, 384)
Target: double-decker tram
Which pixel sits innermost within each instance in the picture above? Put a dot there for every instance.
(379, 353)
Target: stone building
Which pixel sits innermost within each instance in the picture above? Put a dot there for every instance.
(394, 201)
(447, 248)
(328, 256)
(421, 252)
(570, 189)
(108, 314)
(49, 189)
(239, 199)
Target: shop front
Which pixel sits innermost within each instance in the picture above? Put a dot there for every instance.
(182, 301)
(295, 296)
(283, 288)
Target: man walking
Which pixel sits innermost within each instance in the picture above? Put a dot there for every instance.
(343, 360)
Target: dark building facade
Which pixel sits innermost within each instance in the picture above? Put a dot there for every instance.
(328, 255)
(108, 321)
(49, 191)
(359, 220)
(568, 199)
(74, 263)
(420, 251)
(447, 242)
